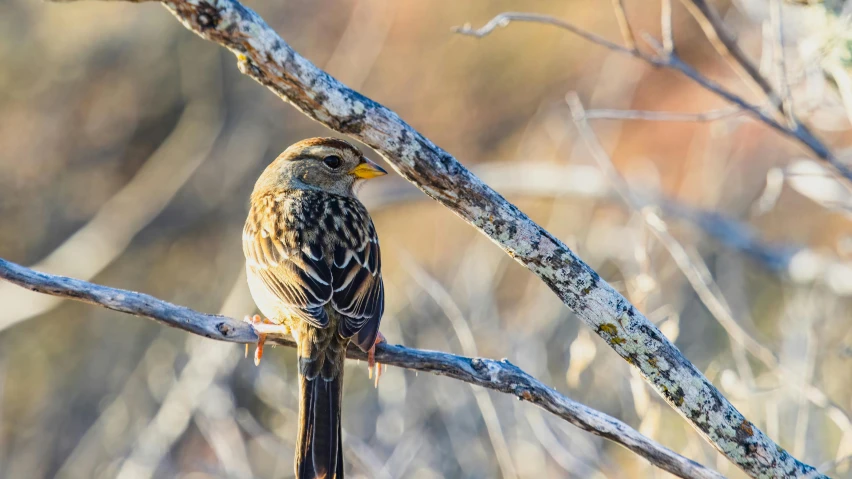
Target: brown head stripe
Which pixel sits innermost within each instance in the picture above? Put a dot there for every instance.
(330, 142)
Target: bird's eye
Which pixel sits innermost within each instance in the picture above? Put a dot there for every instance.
(332, 161)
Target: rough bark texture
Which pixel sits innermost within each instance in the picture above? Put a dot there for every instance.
(496, 375)
(264, 56)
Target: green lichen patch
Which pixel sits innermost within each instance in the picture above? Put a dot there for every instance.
(608, 328)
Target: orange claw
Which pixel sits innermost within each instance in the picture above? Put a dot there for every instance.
(260, 324)
(258, 351)
(371, 359)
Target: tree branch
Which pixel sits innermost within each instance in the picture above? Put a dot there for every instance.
(264, 56)
(726, 45)
(501, 376)
(670, 59)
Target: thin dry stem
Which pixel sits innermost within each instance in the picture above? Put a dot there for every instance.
(624, 24)
(665, 59)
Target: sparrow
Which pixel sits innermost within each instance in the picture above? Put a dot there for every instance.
(314, 270)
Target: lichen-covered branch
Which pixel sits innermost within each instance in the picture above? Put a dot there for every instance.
(267, 58)
(501, 376)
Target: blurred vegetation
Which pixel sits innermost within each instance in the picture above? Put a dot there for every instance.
(119, 126)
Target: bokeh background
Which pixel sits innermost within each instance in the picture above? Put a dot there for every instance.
(129, 147)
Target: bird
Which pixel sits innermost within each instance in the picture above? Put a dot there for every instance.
(313, 267)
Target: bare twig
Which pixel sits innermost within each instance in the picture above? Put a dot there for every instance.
(624, 24)
(776, 23)
(666, 28)
(504, 19)
(712, 115)
(664, 59)
(725, 43)
(501, 376)
(267, 58)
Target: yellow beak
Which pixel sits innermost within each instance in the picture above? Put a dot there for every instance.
(366, 169)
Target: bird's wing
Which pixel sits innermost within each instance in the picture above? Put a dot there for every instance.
(358, 292)
(291, 266)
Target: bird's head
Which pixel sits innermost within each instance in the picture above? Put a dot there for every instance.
(324, 164)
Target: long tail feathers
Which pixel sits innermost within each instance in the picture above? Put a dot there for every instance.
(319, 451)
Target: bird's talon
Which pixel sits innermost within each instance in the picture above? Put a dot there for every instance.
(262, 327)
(371, 359)
(258, 352)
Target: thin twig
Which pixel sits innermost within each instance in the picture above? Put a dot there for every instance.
(501, 376)
(776, 22)
(712, 115)
(504, 19)
(663, 59)
(666, 29)
(725, 43)
(624, 24)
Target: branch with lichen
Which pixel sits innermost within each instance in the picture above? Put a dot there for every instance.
(266, 57)
(501, 376)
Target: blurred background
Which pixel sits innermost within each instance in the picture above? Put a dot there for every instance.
(129, 147)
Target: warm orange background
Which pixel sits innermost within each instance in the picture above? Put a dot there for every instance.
(118, 122)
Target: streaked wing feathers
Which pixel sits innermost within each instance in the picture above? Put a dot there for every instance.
(300, 278)
(358, 288)
(291, 261)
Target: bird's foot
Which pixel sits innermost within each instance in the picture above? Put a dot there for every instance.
(262, 327)
(371, 358)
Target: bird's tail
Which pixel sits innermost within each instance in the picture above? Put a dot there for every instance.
(319, 449)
